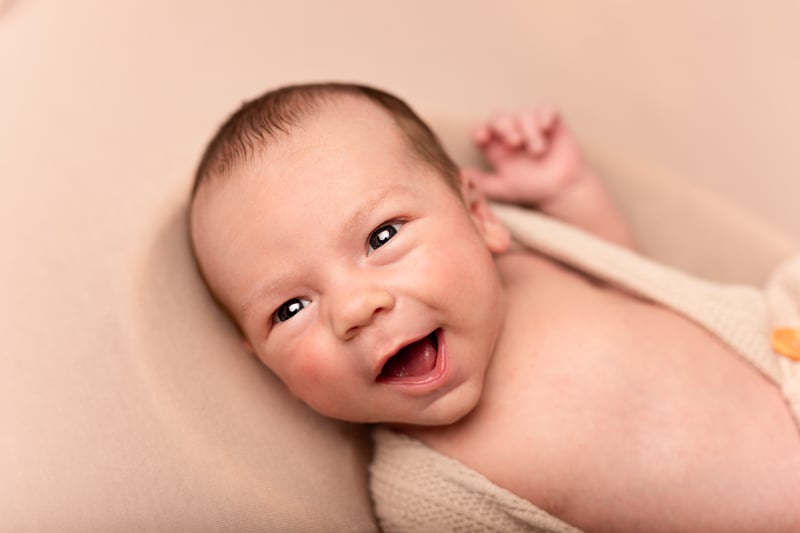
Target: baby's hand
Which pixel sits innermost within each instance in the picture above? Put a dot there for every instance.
(533, 154)
(536, 162)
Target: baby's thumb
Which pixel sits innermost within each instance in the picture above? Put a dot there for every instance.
(490, 184)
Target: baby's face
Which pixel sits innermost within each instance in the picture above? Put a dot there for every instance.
(356, 273)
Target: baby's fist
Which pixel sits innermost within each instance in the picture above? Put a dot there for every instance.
(533, 154)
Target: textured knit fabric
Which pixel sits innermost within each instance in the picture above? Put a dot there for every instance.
(416, 489)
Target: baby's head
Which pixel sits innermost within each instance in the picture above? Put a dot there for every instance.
(351, 252)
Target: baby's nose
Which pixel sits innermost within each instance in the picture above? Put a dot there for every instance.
(357, 307)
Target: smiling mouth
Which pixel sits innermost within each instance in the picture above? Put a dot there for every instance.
(412, 361)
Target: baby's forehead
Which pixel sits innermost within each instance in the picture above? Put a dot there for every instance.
(348, 131)
(337, 126)
(351, 117)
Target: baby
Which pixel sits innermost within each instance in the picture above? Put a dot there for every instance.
(369, 273)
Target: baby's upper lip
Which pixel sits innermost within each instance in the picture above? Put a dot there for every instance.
(391, 353)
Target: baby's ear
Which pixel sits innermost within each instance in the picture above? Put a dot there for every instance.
(494, 233)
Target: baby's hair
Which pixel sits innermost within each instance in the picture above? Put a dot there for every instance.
(258, 122)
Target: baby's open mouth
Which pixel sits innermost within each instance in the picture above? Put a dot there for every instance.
(413, 360)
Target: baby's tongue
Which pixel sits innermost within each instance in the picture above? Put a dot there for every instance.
(416, 359)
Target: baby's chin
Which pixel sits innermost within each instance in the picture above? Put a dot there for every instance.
(446, 412)
(449, 408)
(418, 420)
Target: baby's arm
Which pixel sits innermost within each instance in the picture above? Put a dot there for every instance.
(537, 163)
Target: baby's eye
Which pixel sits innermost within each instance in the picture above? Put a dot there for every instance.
(382, 235)
(289, 308)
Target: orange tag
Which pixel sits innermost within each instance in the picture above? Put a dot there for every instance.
(786, 341)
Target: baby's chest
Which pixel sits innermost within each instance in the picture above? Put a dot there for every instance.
(631, 403)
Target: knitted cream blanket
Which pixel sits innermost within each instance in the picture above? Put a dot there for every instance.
(417, 489)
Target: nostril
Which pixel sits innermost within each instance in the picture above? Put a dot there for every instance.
(352, 332)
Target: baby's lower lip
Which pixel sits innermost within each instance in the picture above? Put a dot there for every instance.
(432, 376)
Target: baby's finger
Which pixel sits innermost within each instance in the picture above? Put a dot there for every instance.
(504, 127)
(491, 185)
(535, 142)
(481, 134)
(547, 118)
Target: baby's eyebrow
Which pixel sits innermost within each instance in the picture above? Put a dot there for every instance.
(271, 286)
(356, 219)
(368, 205)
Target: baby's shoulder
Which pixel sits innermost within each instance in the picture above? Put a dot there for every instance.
(512, 447)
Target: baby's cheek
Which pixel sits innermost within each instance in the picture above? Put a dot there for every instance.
(470, 263)
(439, 265)
(303, 371)
(312, 368)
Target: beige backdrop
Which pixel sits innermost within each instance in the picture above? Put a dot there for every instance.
(123, 398)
